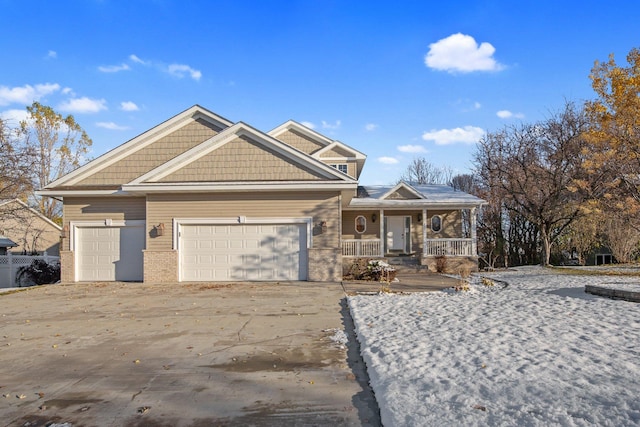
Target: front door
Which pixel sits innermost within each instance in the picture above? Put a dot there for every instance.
(398, 234)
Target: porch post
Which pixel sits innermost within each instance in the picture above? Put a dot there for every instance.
(382, 236)
(474, 244)
(424, 232)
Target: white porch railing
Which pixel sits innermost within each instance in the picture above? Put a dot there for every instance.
(449, 247)
(434, 247)
(9, 265)
(361, 248)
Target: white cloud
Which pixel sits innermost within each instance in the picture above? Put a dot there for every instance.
(14, 116)
(370, 127)
(388, 160)
(52, 54)
(136, 59)
(26, 94)
(113, 68)
(477, 105)
(83, 105)
(180, 70)
(412, 149)
(111, 126)
(461, 53)
(466, 135)
(326, 125)
(128, 106)
(67, 91)
(309, 125)
(506, 114)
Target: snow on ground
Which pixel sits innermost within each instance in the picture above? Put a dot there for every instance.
(538, 352)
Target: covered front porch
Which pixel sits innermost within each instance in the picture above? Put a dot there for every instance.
(423, 221)
(422, 234)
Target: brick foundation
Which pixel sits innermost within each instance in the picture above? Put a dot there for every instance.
(67, 266)
(325, 265)
(160, 266)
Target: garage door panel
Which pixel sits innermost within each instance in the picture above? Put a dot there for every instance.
(110, 253)
(243, 252)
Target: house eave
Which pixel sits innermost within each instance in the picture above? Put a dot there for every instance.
(359, 204)
(200, 187)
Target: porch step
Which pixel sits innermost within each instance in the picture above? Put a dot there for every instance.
(407, 264)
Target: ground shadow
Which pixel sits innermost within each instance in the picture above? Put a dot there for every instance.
(365, 400)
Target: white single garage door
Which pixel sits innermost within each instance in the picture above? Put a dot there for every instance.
(243, 252)
(110, 253)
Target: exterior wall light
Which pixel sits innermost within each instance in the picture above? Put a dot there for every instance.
(64, 233)
(159, 229)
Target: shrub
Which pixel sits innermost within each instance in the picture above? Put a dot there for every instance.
(39, 272)
(441, 264)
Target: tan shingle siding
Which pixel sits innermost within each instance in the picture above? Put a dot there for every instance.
(402, 194)
(154, 155)
(299, 141)
(337, 152)
(322, 206)
(241, 160)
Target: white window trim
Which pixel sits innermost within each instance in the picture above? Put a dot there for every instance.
(337, 166)
(431, 226)
(355, 224)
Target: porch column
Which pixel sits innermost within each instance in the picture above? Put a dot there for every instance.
(424, 233)
(382, 236)
(474, 244)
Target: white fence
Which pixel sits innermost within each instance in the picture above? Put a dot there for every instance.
(9, 265)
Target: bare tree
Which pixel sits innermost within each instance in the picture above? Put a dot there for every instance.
(420, 171)
(59, 144)
(621, 239)
(15, 164)
(532, 169)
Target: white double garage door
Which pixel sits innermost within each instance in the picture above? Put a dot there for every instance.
(207, 252)
(259, 251)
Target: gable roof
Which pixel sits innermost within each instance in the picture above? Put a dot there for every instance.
(139, 142)
(302, 129)
(186, 163)
(329, 148)
(23, 207)
(321, 174)
(428, 196)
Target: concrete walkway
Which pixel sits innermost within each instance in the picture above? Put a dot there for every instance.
(131, 354)
(407, 282)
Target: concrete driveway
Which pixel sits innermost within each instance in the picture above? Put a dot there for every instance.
(131, 354)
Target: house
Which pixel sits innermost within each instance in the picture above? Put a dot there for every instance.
(32, 232)
(201, 198)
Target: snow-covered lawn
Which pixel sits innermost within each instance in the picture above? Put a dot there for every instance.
(538, 352)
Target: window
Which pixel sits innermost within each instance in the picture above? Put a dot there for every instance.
(361, 224)
(342, 167)
(436, 223)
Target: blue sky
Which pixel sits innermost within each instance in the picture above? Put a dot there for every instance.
(394, 80)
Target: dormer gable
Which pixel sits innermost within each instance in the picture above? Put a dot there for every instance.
(402, 191)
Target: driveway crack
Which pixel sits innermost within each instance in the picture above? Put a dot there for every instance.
(243, 326)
